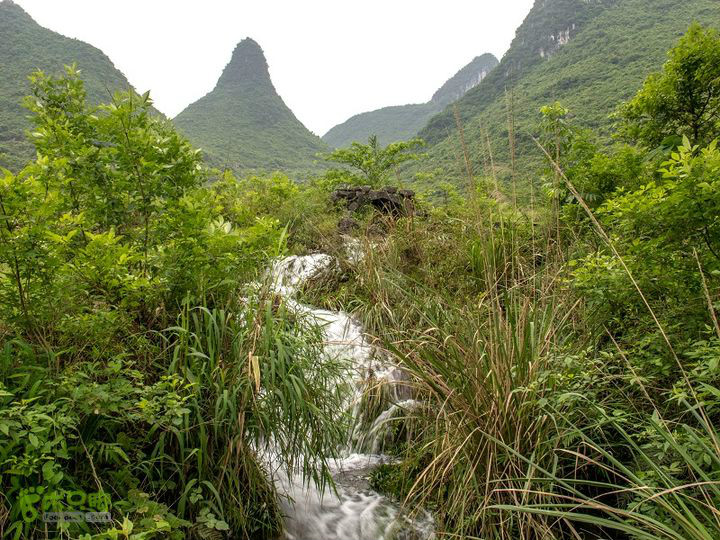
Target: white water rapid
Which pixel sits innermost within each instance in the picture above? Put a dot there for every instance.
(355, 512)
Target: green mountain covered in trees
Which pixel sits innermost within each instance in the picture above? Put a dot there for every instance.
(244, 125)
(588, 55)
(27, 47)
(402, 122)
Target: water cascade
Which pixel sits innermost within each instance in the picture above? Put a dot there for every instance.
(355, 512)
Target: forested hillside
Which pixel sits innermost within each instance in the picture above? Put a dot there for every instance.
(609, 50)
(244, 125)
(550, 25)
(27, 47)
(401, 122)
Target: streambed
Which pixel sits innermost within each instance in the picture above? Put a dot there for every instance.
(354, 511)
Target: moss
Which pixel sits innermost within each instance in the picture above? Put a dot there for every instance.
(391, 479)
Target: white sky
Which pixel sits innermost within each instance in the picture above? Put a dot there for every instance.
(329, 59)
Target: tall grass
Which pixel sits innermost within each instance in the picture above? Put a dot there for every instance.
(238, 390)
(495, 451)
(263, 397)
(654, 505)
(478, 376)
(475, 339)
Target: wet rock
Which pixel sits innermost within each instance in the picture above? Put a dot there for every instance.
(289, 274)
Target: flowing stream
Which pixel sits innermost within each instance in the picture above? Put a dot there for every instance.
(355, 512)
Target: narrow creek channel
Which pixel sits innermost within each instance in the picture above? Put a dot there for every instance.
(355, 511)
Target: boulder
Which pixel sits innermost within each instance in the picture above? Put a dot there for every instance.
(388, 200)
(347, 224)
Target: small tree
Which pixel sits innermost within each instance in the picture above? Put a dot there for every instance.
(683, 99)
(116, 164)
(374, 162)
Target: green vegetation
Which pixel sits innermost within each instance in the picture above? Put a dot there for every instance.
(137, 360)
(402, 122)
(374, 162)
(562, 349)
(27, 47)
(243, 125)
(565, 356)
(547, 26)
(682, 100)
(613, 46)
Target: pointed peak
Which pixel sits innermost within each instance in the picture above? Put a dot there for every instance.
(247, 66)
(487, 57)
(248, 44)
(8, 5)
(13, 14)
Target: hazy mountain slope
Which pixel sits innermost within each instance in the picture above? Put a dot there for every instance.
(550, 25)
(244, 125)
(603, 63)
(25, 46)
(390, 124)
(465, 80)
(402, 122)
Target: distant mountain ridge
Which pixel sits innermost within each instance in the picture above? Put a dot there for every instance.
(549, 26)
(465, 80)
(27, 47)
(244, 125)
(402, 122)
(588, 54)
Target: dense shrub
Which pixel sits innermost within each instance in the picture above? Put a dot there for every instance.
(130, 364)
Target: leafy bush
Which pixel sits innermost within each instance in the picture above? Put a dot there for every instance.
(683, 99)
(110, 379)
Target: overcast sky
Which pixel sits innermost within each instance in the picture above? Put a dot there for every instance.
(329, 59)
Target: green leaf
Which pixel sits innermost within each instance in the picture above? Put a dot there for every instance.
(33, 440)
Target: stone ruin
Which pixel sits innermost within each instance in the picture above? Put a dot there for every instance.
(387, 200)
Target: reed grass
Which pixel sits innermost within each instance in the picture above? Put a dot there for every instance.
(263, 398)
(491, 452)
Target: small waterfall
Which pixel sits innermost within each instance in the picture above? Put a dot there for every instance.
(355, 512)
